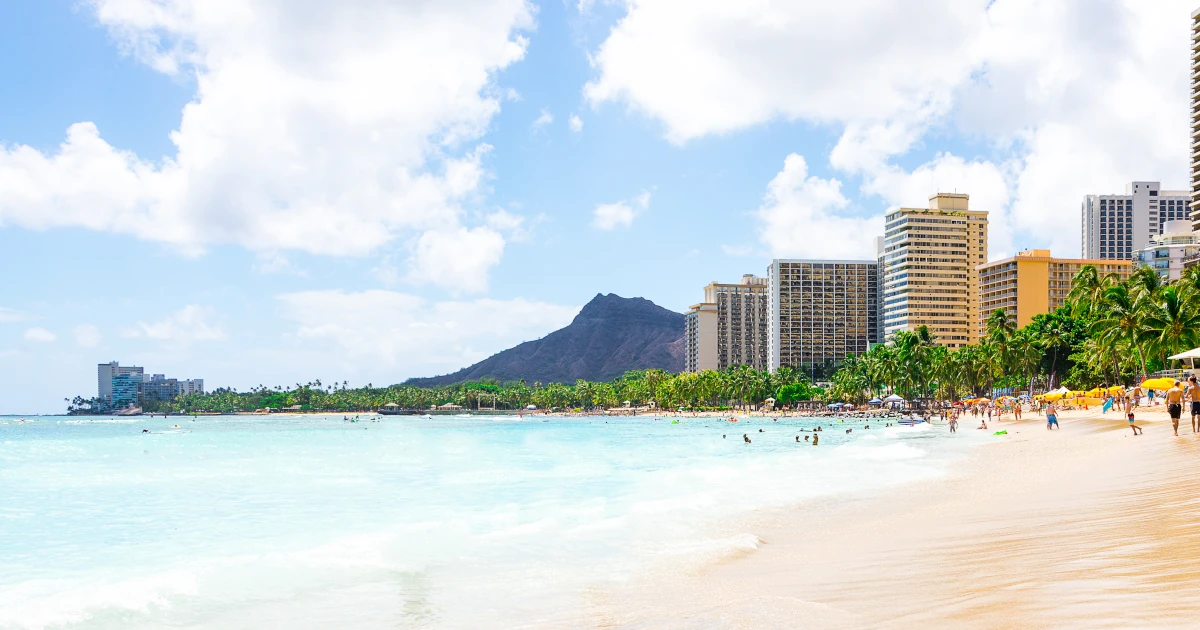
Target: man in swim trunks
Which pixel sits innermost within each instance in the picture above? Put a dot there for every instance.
(1193, 396)
(1175, 405)
(1052, 417)
(1136, 429)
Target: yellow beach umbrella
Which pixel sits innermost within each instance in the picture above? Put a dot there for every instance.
(1160, 383)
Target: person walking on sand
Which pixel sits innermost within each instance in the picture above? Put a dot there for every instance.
(1137, 395)
(1136, 429)
(1175, 405)
(1052, 417)
(1193, 396)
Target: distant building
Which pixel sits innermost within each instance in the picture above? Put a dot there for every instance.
(127, 386)
(1033, 282)
(822, 311)
(1194, 56)
(161, 388)
(930, 279)
(729, 327)
(1117, 226)
(1168, 251)
(118, 386)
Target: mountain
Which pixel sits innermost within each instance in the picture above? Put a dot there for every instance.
(609, 337)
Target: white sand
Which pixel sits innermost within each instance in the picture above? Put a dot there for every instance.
(1083, 527)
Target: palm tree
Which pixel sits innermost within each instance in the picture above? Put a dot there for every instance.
(1120, 321)
(1172, 322)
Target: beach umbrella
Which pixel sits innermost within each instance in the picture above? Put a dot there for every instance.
(1160, 383)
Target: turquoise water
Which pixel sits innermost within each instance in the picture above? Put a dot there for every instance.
(313, 522)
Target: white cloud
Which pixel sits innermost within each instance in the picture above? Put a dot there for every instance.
(458, 259)
(11, 315)
(421, 337)
(181, 328)
(575, 123)
(333, 128)
(40, 335)
(87, 336)
(610, 216)
(712, 66)
(541, 121)
(1067, 98)
(799, 218)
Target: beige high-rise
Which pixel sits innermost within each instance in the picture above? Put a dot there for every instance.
(930, 278)
(1034, 282)
(1195, 115)
(729, 327)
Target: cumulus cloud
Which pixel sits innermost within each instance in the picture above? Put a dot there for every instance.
(87, 336)
(457, 259)
(1067, 99)
(712, 66)
(332, 128)
(541, 121)
(181, 328)
(408, 331)
(610, 216)
(40, 335)
(575, 123)
(800, 217)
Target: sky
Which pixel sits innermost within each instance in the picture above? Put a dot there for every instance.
(275, 191)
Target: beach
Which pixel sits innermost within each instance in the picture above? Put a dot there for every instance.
(1087, 526)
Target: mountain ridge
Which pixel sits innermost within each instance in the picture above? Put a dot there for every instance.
(610, 336)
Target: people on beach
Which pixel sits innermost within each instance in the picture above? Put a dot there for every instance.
(1193, 396)
(1136, 429)
(1052, 417)
(953, 424)
(982, 424)
(1175, 405)
(1137, 395)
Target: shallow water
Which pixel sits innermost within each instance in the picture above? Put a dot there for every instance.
(313, 522)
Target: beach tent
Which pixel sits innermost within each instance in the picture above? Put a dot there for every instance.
(874, 401)
(893, 398)
(1160, 383)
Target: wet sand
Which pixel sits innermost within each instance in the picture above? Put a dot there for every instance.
(1084, 527)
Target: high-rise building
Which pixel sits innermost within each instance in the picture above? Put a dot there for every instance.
(822, 311)
(1033, 282)
(1168, 251)
(1195, 116)
(117, 385)
(729, 327)
(930, 255)
(1117, 226)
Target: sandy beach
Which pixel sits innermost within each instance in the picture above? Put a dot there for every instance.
(1088, 526)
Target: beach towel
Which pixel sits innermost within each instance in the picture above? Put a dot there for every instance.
(1004, 432)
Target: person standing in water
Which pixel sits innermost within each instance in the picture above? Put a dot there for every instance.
(815, 438)
(1175, 405)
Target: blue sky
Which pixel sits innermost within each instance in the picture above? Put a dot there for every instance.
(272, 192)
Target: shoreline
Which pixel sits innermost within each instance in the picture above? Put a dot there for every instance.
(1085, 526)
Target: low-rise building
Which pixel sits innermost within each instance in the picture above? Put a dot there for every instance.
(1169, 252)
(1033, 282)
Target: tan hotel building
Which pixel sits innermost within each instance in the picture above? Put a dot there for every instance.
(930, 279)
(729, 327)
(1034, 282)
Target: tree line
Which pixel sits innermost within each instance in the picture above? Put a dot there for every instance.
(734, 387)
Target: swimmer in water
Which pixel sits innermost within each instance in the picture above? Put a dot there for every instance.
(798, 438)
(746, 437)
(815, 438)
(760, 431)
(805, 439)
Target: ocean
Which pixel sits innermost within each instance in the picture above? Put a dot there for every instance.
(451, 522)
